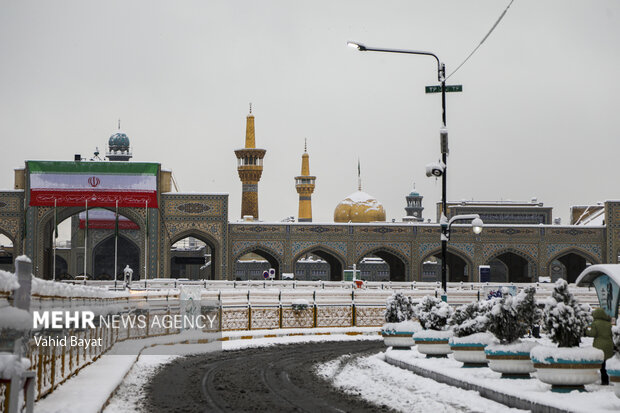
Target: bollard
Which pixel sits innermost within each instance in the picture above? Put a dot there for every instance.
(23, 270)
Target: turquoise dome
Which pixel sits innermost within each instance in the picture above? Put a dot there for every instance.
(118, 142)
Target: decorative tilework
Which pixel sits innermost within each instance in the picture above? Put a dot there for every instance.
(299, 246)
(211, 228)
(240, 246)
(10, 226)
(391, 229)
(297, 319)
(234, 319)
(258, 229)
(364, 247)
(193, 205)
(319, 229)
(553, 250)
(265, 318)
(491, 249)
(467, 248)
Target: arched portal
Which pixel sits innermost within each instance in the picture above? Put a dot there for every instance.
(103, 259)
(191, 258)
(458, 268)
(518, 268)
(192, 254)
(251, 264)
(6, 253)
(569, 265)
(382, 265)
(335, 263)
(71, 222)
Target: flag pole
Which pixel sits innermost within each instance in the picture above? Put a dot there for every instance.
(85, 243)
(55, 237)
(116, 245)
(146, 240)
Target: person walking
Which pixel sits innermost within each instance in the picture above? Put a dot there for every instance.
(601, 331)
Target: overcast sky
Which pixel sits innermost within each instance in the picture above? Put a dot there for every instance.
(537, 116)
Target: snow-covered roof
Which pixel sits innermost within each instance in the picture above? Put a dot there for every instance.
(593, 271)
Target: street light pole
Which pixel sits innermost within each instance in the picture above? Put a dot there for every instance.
(441, 76)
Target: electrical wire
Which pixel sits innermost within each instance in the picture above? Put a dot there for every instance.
(483, 40)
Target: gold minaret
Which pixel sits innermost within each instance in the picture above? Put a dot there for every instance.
(304, 184)
(250, 168)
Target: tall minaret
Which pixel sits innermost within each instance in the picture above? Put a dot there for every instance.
(250, 168)
(304, 184)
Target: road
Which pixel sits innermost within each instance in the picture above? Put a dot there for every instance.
(267, 379)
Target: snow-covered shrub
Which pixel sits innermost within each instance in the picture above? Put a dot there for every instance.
(564, 319)
(399, 308)
(470, 318)
(433, 313)
(511, 317)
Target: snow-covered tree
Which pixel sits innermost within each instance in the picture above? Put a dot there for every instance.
(470, 318)
(399, 308)
(511, 317)
(564, 318)
(433, 313)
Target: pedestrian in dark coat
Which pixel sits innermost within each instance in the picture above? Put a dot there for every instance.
(601, 331)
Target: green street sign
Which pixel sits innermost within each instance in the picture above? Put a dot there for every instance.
(449, 88)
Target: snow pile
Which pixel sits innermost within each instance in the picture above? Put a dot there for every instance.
(361, 198)
(433, 313)
(470, 318)
(477, 338)
(399, 308)
(519, 347)
(403, 326)
(12, 364)
(399, 390)
(433, 335)
(548, 355)
(15, 319)
(8, 281)
(58, 289)
(564, 319)
(511, 317)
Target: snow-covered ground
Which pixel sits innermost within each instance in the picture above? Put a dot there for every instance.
(597, 398)
(89, 390)
(374, 380)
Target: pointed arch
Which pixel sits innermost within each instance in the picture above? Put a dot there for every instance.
(396, 261)
(573, 261)
(203, 236)
(459, 265)
(521, 267)
(273, 258)
(335, 260)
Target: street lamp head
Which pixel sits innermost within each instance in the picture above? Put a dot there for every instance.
(357, 46)
(476, 225)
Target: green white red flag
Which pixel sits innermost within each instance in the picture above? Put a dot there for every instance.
(132, 184)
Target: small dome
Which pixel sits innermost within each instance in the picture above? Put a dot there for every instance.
(119, 142)
(414, 193)
(359, 207)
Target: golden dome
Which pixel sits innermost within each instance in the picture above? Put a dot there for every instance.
(359, 207)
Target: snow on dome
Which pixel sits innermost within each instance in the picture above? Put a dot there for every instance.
(359, 207)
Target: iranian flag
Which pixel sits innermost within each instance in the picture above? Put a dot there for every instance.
(133, 184)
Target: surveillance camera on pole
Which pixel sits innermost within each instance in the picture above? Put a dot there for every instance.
(435, 169)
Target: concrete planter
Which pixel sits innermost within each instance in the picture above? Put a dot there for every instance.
(512, 360)
(469, 350)
(567, 369)
(433, 343)
(399, 336)
(613, 371)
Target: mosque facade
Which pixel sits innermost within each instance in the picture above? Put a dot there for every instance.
(359, 236)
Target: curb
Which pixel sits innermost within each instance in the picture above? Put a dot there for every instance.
(506, 399)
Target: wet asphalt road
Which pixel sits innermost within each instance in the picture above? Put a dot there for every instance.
(268, 379)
